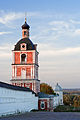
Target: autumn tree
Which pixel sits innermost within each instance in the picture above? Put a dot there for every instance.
(73, 100)
(76, 101)
(68, 99)
(45, 88)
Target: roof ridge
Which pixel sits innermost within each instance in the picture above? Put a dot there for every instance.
(9, 86)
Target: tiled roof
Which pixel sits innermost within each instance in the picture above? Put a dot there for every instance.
(43, 95)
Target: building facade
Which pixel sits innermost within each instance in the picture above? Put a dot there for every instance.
(45, 102)
(58, 90)
(50, 102)
(25, 62)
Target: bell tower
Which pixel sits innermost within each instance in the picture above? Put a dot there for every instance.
(25, 62)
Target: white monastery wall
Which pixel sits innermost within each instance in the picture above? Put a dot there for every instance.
(12, 101)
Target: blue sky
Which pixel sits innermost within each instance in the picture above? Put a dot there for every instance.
(66, 6)
(55, 27)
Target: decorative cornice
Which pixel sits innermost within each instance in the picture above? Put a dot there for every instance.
(26, 64)
(24, 79)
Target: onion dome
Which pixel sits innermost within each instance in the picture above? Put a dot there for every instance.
(27, 41)
(58, 88)
(25, 26)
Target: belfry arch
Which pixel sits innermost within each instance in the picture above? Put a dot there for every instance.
(23, 58)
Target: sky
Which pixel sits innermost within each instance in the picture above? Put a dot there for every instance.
(55, 27)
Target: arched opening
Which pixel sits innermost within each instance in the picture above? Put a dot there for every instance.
(23, 58)
(42, 105)
(24, 32)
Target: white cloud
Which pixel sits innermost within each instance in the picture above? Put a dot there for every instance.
(5, 55)
(5, 51)
(54, 30)
(74, 22)
(48, 50)
(61, 27)
(2, 33)
(10, 16)
(77, 32)
(6, 18)
(60, 24)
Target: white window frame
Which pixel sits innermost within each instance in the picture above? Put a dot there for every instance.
(42, 102)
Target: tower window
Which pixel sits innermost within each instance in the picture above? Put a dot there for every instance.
(23, 46)
(23, 58)
(24, 32)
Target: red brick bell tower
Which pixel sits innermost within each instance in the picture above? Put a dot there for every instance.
(25, 62)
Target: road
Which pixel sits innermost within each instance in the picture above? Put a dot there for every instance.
(45, 116)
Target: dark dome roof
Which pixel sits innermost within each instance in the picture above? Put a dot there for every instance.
(25, 26)
(27, 41)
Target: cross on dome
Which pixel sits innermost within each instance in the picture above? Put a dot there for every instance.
(25, 25)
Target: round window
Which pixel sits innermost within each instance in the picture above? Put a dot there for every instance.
(23, 46)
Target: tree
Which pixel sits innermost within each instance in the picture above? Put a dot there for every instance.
(45, 88)
(67, 99)
(76, 101)
(73, 100)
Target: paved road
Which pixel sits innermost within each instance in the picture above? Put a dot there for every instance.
(45, 116)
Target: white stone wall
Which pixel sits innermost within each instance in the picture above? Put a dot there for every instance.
(55, 101)
(12, 101)
(60, 97)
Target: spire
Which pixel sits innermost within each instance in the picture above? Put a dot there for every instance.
(25, 25)
(25, 17)
(57, 83)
